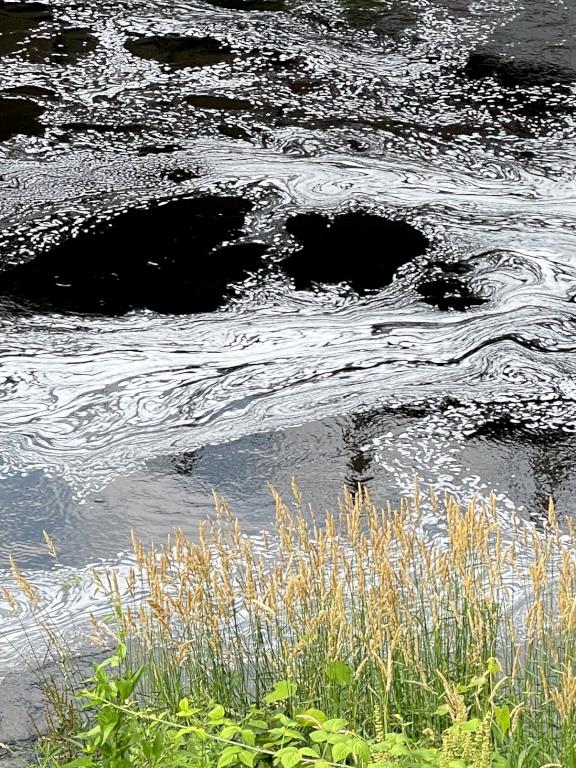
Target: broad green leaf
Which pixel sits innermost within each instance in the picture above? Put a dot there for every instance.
(226, 760)
(493, 666)
(247, 758)
(308, 752)
(469, 726)
(256, 723)
(382, 746)
(107, 731)
(361, 751)
(217, 713)
(499, 761)
(282, 691)
(312, 717)
(341, 751)
(87, 735)
(337, 738)
(502, 716)
(229, 756)
(193, 730)
(334, 725)
(248, 736)
(289, 757)
(229, 731)
(339, 672)
(285, 734)
(158, 745)
(283, 720)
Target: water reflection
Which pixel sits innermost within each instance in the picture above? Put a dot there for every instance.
(452, 117)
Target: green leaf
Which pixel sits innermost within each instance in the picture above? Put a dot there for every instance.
(470, 726)
(334, 725)
(312, 717)
(282, 692)
(339, 672)
(248, 736)
(493, 666)
(107, 731)
(247, 758)
(285, 734)
(158, 745)
(338, 738)
(499, 761)
(256, 723)
(229, 731)
(283, 720)
(288, 757)
(80, 762)
(217, 713)
(319, 736)
(443, 709)
(87, 735)
(341, 751)
(382, 746)
(229, 756)
(502, 716)
(193, 730)
(361, 751)
(308, 752)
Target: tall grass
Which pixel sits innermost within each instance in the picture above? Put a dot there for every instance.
(368, 616)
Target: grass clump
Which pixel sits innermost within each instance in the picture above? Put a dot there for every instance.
(454, 650)
(276, 734)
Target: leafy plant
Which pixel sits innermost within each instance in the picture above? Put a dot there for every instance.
(123, 734)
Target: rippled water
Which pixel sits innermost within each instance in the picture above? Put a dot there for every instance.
(455, 116)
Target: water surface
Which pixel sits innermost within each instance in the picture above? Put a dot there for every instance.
(134, 382)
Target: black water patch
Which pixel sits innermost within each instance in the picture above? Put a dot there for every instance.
(445, 287)
(223, 103)
(361, 249)
(20, 116)
(17, 20)
(304, 85)
(180, 51)
(536, 48)
(232, 131)
(529, 428)
(179, 175)
(513, 73)
(250, 5)
(66, 46)
(34, 91)
(166, 257)
(388, 20)
(560, 102)
(449, 293)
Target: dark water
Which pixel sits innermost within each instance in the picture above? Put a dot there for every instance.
(246, 240)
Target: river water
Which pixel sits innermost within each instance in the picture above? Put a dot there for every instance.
(285, 135)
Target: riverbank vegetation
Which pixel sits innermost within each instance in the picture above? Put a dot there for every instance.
(346, 638)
